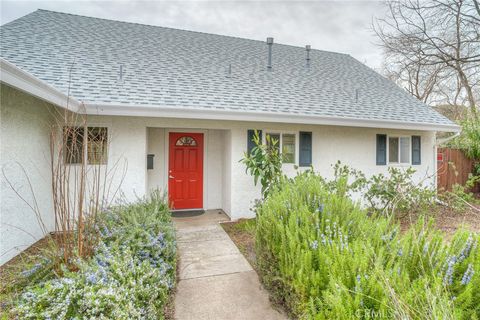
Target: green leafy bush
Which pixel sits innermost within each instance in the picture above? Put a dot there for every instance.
(460, 198)
(469, 139)
(394, 193)
(264, 162)
(129, 277)
(323, 257)
(397, 192)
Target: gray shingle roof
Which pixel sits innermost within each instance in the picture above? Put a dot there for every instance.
(185, 69)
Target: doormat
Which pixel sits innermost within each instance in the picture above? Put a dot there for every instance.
(187, 213)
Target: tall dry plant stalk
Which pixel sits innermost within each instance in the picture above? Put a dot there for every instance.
(83, 182)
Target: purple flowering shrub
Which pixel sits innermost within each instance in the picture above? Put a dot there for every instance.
(130, 276)
(323, 257)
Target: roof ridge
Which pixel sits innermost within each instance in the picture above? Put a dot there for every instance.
(179, 29)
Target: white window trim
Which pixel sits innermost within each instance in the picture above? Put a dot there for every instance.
(281, 133)
(85, 148)
(400, 164)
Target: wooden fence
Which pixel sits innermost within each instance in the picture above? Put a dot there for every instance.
(453, 167)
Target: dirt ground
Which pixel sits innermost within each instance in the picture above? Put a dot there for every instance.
(12, 282)
(447, 220)
(28, 256)
(242, 234)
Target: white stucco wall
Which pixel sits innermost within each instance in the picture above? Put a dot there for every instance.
(355, 147)
(156, 179)
(26, 124)
(227, 170)
(215, 163)
(126, 155)
(227, 185)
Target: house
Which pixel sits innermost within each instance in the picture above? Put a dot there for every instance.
(181, 107)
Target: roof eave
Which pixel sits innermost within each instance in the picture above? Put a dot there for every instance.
(259, 116)
(24, 81)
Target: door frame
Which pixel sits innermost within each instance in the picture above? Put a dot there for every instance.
(205, 157)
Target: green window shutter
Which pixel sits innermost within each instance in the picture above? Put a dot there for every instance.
(381, 149)
(250, 135)
(416, 150)
(305, 149)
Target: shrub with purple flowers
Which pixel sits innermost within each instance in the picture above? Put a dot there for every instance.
(323, 257)
(130, 276)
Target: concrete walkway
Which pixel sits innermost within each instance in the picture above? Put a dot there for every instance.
(215, 280)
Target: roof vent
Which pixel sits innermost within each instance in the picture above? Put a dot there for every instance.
(120, 73)
(229, 71)
(307, 49)
(269, 44)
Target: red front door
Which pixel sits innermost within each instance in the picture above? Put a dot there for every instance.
(185, 171)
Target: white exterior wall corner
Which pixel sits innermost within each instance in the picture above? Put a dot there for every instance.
(227, 173)
(26, 124)
(215, 163)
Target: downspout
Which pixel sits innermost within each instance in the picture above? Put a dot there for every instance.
(442, 141)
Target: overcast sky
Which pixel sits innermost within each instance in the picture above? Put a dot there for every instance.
(341, 26)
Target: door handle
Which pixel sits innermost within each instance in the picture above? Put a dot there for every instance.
(171, 177)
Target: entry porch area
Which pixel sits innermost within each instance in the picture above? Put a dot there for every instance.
(193, 166)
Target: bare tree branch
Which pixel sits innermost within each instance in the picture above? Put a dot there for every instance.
(424, 40)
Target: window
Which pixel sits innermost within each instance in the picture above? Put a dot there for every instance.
(404, 150)
(273, 138)
(97, 145)
(285, 145)
(288, 148)
(186, 141)
(393, 150)
(73, 143)
(250, 139)
(399, 150)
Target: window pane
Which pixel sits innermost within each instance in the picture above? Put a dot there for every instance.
(273, 138)
(186, 141)
(97, 145)
(73, 144)
(405, 150)
(393, 150)
(288, 148)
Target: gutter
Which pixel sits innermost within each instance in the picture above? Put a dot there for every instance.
(16, 77)
(257, 116)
